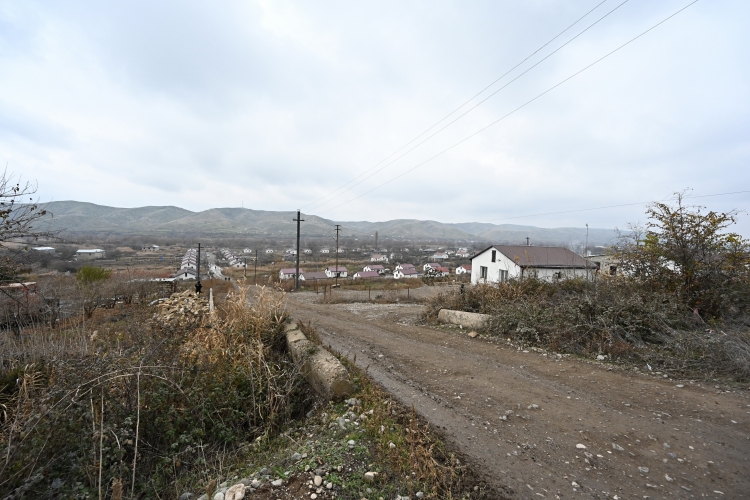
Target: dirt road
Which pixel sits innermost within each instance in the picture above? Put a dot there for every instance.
(541, 426)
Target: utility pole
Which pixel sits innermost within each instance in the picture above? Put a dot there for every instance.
(255, 279)
(527, 241)
(296, 276)
(338, 229)
(586, 252)
(376, 242)
(244, 271)
(198, 285)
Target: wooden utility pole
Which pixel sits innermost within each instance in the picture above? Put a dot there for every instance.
(296, 276)
(198, 285)
(338, 229)
(255, 279)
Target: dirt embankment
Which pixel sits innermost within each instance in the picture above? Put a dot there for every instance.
(543, 426)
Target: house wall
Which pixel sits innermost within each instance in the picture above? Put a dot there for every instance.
(493, 268)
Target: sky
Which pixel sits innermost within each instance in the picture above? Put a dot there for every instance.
(275, 105)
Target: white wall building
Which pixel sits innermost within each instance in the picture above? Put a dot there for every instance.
(378, 258)
(44, 249)
(501, 262)
(342, 272)
(94, 253)
(463, 269)
(409, 272)
(289, 273)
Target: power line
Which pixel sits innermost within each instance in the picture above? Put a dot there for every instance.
(475, 106)
(513, 111)
(316, 202)
(609, 206)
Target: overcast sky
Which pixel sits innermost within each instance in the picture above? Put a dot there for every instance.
(275, 104)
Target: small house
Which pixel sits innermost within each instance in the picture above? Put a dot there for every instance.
(377, 257)
(340, 271)
(92, 254)
(313, 276)
(289, 273)
(404, 266)
(150, 248)
(269, 250)
(409, 272)
(463, 269)
(431, 265)
(440, 256)
(499, 263)
(378, 268)
(325, 250)
(44, 249)
(366, 274)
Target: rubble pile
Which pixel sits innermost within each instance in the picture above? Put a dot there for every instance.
(182, 310)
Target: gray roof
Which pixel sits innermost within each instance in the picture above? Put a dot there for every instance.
(543, 257)
(314, 276)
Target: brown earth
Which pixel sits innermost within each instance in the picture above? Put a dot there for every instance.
(644, 436)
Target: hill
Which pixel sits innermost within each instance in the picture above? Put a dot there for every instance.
(74, 217)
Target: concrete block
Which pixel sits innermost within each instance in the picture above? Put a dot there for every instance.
(325, 374)
(465, 319)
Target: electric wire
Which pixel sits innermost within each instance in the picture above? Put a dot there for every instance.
(511, 112)
(472, 108)
(609, 206)
(316, 202)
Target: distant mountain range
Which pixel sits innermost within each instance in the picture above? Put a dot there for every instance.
(74, 217)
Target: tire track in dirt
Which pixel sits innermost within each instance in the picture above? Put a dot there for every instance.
(643, 436)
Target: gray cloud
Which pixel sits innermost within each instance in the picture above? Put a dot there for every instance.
(275, 104)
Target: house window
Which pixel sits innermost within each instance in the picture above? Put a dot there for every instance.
(612, 270)
(494, 256)
(503, 275)
(483, 272)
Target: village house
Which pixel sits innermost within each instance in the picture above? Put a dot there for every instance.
(463, 269)
(366, 274)
(44, 249)
(93, 254)
(185, 274)
(150, 248)
(307, 251)
(325, 250)
(314, 276)
(404, 266)
(500, 263)
(269, 250)
(377, 257)
(463, 253)
(378, 268)
(408, 272)
(440, 256)
(342, 272)
(431, 265)
(606, 264)
(289, 273)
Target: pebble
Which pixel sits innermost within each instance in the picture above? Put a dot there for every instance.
(617, 447)
(297, 456)
(473, 334)
(317, 480)
(581, 446)
(680, 386)
(186, 496)
(246, 481)
(670, 479)
(236, 492)
(255, 484)
(329, 486)
(353, 402)
(643, 469)
(420, 494)
(575, 485)
(277, 482)
(370, 476)
(219, 496)
(601, 358)
(533, 407)
(313, 496)
(391, 445)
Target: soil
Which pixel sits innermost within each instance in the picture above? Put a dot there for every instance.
(538, 425)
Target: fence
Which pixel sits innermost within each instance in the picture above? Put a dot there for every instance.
(419, 294)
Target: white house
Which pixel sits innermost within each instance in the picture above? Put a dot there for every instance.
(247, 250)
(150, 248)
(374, 267)
(307, 251)
(431, 265)
(409, 272)
(464, 254)
(291, 251)
(404, 266)
(44, 249)
(289, 273)
(366, 274)
(324, 250)
(440, 256)
(340, 250)
(378, 258)
(185, 274)
(94, 253)
(319, 275)
(499, 263)
(269, 250)
(342, 272)
(463, 269)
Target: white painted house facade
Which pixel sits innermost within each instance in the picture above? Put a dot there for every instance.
(409, 272)
(500, 263)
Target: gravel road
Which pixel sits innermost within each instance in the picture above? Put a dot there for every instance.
(537, 425)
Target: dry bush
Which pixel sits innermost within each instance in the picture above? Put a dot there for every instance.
(619, 317)
(146, 409)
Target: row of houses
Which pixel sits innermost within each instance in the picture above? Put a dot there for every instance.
(188, 266)
(234, 260)
(372, 271)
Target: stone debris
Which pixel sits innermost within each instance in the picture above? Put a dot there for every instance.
(317, 480)
(277, 482)
(617, 447)
(643, 469)
(581, 446)
(473, 334)
(236, 492)
(668, 478)
(370, 476)
(182, 309)
(601, 357)
(533, 407)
